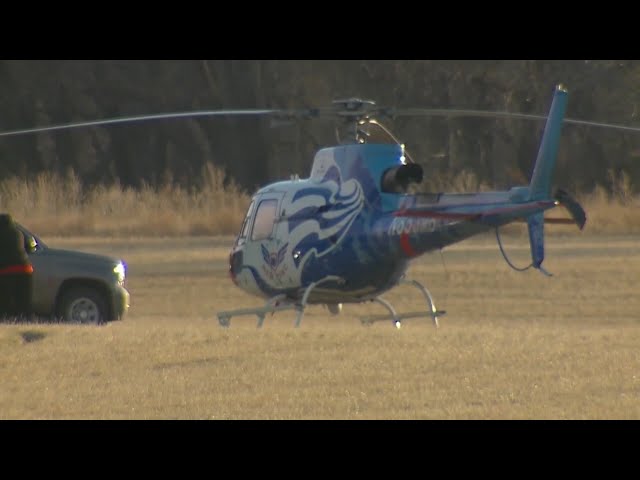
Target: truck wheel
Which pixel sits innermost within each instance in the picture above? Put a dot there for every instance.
(83, 305)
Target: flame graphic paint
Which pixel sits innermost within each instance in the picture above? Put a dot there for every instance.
(320, 216)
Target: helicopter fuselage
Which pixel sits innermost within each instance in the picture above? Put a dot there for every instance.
(350, 221)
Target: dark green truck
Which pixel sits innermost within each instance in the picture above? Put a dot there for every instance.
(75, 287)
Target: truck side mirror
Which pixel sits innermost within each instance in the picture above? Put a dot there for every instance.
(30, 244)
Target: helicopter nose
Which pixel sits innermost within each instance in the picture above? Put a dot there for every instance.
(235, 264)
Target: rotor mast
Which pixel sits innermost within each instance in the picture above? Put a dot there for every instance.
(355, 113)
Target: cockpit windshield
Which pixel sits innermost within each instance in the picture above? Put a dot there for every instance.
(244, 231)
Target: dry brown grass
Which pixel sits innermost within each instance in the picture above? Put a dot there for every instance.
(511, 346)
(53, 205)
(615, 212)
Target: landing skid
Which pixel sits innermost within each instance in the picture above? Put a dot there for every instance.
(276, 304)
(397, 318)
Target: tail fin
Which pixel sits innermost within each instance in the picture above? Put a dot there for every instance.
(540, 186)
(536, 227)
(536, 240)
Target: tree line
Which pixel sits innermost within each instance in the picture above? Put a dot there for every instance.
(254, 151)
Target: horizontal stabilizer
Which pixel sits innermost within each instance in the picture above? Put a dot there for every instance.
(575, 209)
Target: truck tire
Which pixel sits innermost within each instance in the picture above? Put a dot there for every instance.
(83, 305)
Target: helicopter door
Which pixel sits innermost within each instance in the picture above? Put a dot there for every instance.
(266, 244)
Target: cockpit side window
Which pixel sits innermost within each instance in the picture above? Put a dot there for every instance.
(265, 219)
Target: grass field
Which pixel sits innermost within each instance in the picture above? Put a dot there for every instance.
(52, 205)
(512, 345)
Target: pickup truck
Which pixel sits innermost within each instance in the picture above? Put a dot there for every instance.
(75, 287)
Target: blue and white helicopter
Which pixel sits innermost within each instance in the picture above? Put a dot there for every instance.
(349, 232)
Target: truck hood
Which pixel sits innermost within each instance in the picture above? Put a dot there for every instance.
(76, 257)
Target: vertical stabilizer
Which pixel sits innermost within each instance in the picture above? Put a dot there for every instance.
(540, 186)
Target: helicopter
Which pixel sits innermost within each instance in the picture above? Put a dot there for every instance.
(349, 232)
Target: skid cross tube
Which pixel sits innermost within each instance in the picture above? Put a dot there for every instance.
(397, 318)
(427, 295)
(307, 292)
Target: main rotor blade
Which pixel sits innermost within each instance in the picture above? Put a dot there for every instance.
(140, 118)
(445, 112)
(310, 113)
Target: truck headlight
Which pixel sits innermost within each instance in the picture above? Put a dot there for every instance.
(120, 271)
